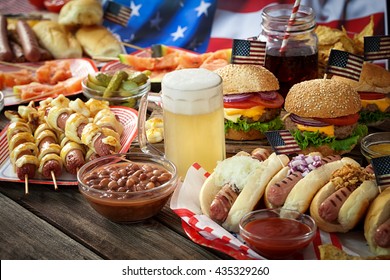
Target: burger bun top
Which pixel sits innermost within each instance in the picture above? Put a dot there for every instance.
(373, 78)
(322, 98)
(243, 78)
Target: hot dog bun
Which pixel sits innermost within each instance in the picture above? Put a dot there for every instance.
(377, 214)
(57, 40)
(351, 211)
(247, 174)
(98, 41)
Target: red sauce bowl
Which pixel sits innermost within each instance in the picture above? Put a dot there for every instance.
(277, 233)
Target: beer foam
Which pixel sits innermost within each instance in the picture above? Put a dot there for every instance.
(192, 91)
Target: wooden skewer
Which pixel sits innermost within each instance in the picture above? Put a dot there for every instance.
(42, 95)
(26, 184)
(134, 46)
(18, 65)
(104, 58)
(54, 180)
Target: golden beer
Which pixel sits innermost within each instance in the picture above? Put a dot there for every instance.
(193, 119)
(194, 138)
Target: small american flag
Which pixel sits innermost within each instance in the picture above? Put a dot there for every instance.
(381, 166)
(344, 64)
(282, 142)
(376, 47)
(248, 52)
(117, 13)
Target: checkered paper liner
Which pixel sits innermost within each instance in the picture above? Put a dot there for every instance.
(204, 231)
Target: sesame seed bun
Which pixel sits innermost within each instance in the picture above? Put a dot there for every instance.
(322, 98)
(242, 78)
(373, 78)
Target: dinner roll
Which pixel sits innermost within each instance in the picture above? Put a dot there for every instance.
(81, 12)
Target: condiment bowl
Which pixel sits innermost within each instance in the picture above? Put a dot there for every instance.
(127, 187)
(277, 233)
(128, 95)
(375, 145)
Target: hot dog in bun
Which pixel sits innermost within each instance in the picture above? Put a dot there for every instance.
(377, 224)
(374, 90)
(295, 185)
(344, 200)
(236, 186)
(322, 115)
(252, 104)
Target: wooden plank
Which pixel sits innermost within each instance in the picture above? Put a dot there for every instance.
(25, 236)
(67, 210)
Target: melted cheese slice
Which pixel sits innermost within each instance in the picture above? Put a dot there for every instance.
(382, 104)
(232, 114)
(328, 130)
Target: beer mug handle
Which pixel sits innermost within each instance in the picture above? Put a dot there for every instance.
(144, 144)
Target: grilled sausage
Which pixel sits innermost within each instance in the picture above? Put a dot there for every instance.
(28, 41)
(223, 201)
(278, 192)
(382, 234)
(6, 53)
(330, 207)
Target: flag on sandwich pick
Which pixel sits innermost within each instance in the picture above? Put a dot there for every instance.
(381, 166)
(376, 47)
(282, 142)
(344, 64)
(117, 13)
(248, 52)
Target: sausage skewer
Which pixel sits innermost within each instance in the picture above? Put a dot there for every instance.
(22, 146)
(49, 153)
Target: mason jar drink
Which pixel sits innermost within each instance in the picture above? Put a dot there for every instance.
(193, 118)
(298, 61)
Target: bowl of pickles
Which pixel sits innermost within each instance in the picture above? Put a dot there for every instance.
(120, 88)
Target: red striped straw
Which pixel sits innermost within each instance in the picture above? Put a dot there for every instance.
(289, 25)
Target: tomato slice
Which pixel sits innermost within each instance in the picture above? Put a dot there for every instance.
(371, 95)
(256, 100)
(240, 105)
(345, 120)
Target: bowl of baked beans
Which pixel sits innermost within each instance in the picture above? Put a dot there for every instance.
(128, 187)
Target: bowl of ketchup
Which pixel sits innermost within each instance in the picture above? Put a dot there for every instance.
(277, 233)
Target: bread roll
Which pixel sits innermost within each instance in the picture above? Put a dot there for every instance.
(81, 12)
(98, 41)
(377, 214)
(57, 40)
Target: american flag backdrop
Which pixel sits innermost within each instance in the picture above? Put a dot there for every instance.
(209, 25)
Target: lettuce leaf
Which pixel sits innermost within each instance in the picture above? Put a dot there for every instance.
(275, 124)
(367, 117)
(308, 138)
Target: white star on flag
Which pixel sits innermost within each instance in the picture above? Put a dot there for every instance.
(135, 9)
(202, 8)
(179, 33)
(155, 22)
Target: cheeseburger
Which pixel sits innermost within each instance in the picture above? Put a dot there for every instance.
(252, 104)
(374, 90)
(322, 115)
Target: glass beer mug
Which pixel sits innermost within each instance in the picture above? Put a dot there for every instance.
(192, 102)
(299, 61)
